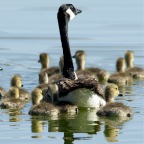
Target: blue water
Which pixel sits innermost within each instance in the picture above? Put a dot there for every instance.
(105, 30)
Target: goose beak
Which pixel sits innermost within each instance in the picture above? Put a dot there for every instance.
(78, 11)
(73, 56)
(120, 94)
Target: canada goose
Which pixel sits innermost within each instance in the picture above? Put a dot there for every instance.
(134, 72)
(13, 101)
(16, 80)
(44, 60)
(120, 77)
(46, 108)
(114, 108)
(85, 92)
(80, 57)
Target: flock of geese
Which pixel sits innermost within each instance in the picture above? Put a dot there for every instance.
(64, 90)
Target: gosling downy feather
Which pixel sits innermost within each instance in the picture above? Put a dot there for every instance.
(134, 72)
(114, 108)
(16, 81)
(41, 107)
(120, 77)
(80, 57)
(45, 60)
(13, 101)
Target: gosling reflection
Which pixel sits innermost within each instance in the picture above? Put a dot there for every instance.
(113, 127)
(82, 122)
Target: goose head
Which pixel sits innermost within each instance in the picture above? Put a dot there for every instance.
(80, 57)
(111, 91)
(16, 80)
(129, 58)
(36, 96)
(120, 65)
(68, 12)
(44, 60)
(14, 92)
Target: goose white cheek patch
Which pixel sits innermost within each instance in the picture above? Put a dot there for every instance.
(71, 14)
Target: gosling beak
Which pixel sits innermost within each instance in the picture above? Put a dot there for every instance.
(120, 94)
(38, 61)
(22, 85)
(0, 96)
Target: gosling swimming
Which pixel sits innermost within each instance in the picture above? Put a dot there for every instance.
(16, 81)
(13, 101)
(40, 107)
(80, 57)
(134, 72)
(114, 108)
(45, 60)
(120, 77)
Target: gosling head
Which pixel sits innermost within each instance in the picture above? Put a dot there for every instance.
(36, 96)
(44, 60)
(80, 57)
(43, 78)
(120, 65)
(16, 80)
(111, 91)
(67, 12)
(14, 92)
(129, 58)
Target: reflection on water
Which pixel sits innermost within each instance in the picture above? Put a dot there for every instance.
(84, 122)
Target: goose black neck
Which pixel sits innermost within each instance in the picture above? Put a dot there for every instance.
(68, 69)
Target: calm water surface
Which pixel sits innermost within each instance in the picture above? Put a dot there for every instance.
(105, 30)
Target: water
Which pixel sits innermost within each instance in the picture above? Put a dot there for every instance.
(105, 30)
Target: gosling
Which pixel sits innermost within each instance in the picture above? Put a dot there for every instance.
(41, 107)
(120, 77)
(13, 101)
(114, 108)
(134, 72)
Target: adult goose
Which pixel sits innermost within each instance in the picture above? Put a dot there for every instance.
(134, 72)
(83, 92)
